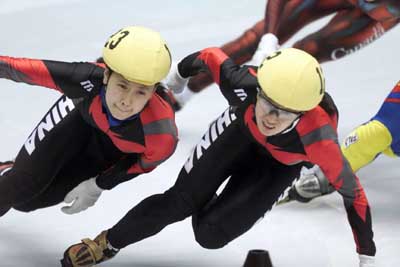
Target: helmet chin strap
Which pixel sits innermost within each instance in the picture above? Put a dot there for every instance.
(290, 127)
(103, 97)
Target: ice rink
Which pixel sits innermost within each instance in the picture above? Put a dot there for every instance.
(314, 235)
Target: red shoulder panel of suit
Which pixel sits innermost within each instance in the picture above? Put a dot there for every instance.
(213, 57)
(33, 71)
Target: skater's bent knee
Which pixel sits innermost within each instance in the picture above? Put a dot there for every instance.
(210, 236)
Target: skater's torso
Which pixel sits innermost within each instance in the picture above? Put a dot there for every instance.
(239, 86)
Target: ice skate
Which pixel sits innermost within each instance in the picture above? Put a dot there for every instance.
(89, 252)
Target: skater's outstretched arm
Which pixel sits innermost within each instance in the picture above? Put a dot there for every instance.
(72, 79)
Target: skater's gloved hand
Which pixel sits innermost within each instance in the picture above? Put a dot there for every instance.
(312, 183)
(174, 80)
(366, 261)
(308, 185)
(268, 45)
(83, 196)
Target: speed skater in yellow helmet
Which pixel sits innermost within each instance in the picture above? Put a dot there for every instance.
(139, 54)
(292, 79)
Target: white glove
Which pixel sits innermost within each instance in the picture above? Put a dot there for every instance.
(83, 196)
(268, 45)
(312, 183)
(367, 261)
(174, 80)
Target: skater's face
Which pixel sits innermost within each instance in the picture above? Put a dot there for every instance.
(125, 98)
(270, 119)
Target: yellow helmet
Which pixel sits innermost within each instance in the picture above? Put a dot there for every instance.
(139, 54)
(292, 79)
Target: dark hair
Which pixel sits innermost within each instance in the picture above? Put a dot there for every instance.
(100, 60)
(329, 106)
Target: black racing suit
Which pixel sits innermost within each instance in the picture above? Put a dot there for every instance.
(259, 167)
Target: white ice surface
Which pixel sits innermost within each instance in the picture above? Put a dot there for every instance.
(296, 235)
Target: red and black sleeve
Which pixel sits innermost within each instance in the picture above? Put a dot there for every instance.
(72, 79)
(235, 82)
(322, 148)
(160, 134)
(117, 174)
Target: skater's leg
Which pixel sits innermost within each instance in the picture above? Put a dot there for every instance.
(346, 33)
(246, 198)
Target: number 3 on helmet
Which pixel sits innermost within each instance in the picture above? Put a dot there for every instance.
(139, 54)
